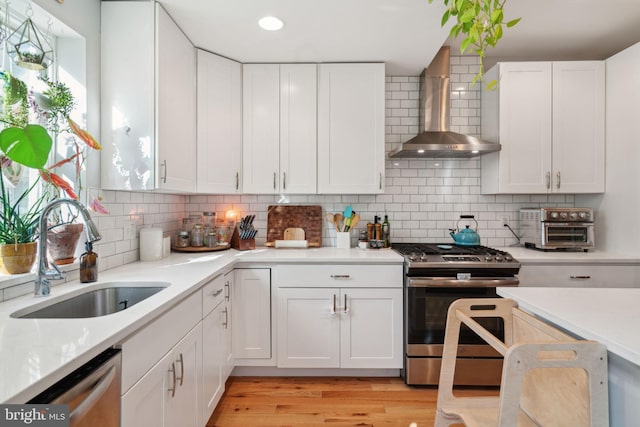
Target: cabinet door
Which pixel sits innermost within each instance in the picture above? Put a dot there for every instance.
(525, 127)
(350, 128)
(578, 127)
(219, 127)
(183, 408)
(176, 106)
(252, 314)
(298, 130)
(308, 328)
(371, 328)
(260, 128)
(212, 349)
(144, 405)
(228, 359)
(127, 130)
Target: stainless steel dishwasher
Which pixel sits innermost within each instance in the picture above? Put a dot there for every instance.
(91, 391)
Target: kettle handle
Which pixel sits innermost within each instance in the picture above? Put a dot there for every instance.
(467, 217)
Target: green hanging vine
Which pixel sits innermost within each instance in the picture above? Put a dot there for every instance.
(482, 22)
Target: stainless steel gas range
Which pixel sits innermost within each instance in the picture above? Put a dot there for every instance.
(435, 276)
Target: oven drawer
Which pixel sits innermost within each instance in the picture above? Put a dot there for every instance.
(580, 276)
(338, 276)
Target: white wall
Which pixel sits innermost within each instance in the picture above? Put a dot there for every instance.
(617, 224)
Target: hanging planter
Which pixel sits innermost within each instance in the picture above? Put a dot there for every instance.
(29, 47)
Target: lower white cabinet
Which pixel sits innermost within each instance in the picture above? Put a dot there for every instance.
(580, 275)
(167, 395)
(252, 314)
(339, 328)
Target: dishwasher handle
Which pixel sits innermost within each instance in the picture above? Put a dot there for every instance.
(98, 391)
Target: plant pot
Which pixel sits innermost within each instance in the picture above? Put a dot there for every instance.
(62, 241)
(17, 258)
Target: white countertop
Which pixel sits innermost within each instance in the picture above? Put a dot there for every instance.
(36, 353)
(608, 315)
(594, 256)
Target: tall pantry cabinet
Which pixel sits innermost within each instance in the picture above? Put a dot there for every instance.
(549, 119)
(148, 99)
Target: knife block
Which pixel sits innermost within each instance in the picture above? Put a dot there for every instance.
(241, 244)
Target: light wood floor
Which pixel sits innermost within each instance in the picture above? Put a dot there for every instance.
(304, 401)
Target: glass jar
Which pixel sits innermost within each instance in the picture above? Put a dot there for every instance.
(182, 239)
(211, 240)
(197, 236)
(208, 220)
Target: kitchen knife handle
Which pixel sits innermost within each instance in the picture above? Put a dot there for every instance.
(558, 180)
(548, 180)
(237, 180)
(284, 180)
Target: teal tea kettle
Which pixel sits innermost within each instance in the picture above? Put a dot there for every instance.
(467, 236)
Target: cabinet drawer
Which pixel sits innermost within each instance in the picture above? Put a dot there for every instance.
(151, 343)
(580, 276)
(213, 293)
(338, 275)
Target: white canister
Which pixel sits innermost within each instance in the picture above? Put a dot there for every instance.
(151, 244)
(343, 240)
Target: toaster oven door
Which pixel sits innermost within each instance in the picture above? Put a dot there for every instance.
(579, 235)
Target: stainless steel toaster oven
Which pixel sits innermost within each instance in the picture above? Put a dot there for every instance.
(557, 228)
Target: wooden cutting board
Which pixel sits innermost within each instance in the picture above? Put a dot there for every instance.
(308, 218)
(294, 234)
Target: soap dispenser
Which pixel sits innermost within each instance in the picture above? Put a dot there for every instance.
(88, 264)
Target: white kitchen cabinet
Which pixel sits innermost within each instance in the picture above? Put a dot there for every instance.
(279, 128)
(351, 116)
(345, 328)
(251, 316)
(167, 395)
(219, 124)
(549, 119)
(148, 99)
(580, 275)
(339, 316)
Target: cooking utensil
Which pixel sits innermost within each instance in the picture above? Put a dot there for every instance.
(355, 219)
(337, 220)
(348, 210)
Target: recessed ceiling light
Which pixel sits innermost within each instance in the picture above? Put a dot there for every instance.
(420, 151)
(475, 152)
(270, 23)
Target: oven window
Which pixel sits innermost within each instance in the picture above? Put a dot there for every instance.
(565, 234)
(426, 315)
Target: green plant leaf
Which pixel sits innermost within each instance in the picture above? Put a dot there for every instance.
(496, 16)
(445, 18)
(468, 16)
(492, 85)
(465, 44)
(513, 22)
(30, 146)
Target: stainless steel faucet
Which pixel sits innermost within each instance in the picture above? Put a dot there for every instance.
(45, 274)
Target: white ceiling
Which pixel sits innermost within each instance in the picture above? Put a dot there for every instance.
(405, 34)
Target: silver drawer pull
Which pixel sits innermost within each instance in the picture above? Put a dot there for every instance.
(340, 276)
(172, 369)
(216, 293)
(579, 277)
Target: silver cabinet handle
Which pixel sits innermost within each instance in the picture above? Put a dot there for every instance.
(548, 180)
(181, 362)
(579, 277)
(333, 308)
(340, 276)
(380, 180)
(226, 318)
(172, 369)
(237, 180)
(227, 290)
(346, 309)
(284, 180)
(558, 180)
(164, 166)
(275, 175)
(216, 293)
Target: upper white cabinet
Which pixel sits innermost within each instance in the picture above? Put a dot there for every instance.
(279, 128)
(549, 118)
(219, 128)
(148, 99)
(351, 128)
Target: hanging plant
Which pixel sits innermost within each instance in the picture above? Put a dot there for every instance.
(482, 23)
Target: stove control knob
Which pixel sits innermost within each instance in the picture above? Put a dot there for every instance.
(563, 215)
(574, 215)
(413, 256)
(583, 215)
(554, 215)
(488, 258)
(499, 258)
(508, 257)
(424, 258)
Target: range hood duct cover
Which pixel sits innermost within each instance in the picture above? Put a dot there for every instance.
(435, 139)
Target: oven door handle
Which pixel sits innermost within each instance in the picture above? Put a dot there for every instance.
(447, 282)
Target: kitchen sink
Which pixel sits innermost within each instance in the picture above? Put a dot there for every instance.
(110, 298)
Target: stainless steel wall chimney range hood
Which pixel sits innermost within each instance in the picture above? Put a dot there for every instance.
(435, 139)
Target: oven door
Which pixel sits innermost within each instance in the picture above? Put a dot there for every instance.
(568, 235)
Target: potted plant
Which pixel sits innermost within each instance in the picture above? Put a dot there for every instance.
(29, 145)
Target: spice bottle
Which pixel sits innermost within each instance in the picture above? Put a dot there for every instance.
(88, 265)
(386, 231)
